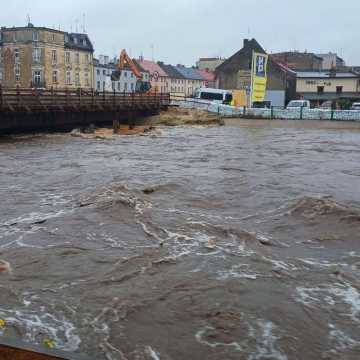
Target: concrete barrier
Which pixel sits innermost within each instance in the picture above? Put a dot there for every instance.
(274, 113)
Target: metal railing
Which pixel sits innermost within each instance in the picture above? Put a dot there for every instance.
(38, 100)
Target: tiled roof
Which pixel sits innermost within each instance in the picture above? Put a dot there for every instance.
(207, 75)
(171, 71)
(324, 74)
(152, 67)
(78, 41)
(189, 73)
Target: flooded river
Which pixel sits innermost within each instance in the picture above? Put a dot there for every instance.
(200, 243)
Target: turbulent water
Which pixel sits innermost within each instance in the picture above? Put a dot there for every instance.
(200, 243)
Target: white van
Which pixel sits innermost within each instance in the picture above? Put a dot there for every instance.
(214, 95)
(355, 106)
(298, 104)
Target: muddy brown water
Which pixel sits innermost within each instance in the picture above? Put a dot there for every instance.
(200, 243)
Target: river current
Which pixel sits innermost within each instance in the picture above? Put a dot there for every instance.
(196, 243)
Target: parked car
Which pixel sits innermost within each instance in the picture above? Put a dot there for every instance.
(298, 104)
(355, 106)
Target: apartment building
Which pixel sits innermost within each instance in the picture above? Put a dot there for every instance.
(103, 68)
(43, 58)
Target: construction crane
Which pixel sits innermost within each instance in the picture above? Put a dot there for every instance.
(126, 62)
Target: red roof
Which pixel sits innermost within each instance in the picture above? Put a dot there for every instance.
(152, 67)
(207, 75)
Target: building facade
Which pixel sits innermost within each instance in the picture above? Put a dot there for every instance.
(299, 61)
(327, 85)
(78, 61)
(193, 79)
(44, 58)
(159, 79)
(176, 81)
(209, 78)
(103, 69)
(209, 64)
(331, 60)
(235, 74)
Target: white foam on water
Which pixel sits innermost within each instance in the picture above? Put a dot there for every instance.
(36, 326)
(280, 265)
(199, 336)
(323, 263)
(266, 343)
(236, 273)
(154, 355)
(341, 340)
(332, 295)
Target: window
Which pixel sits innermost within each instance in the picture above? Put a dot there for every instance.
(37, 78)
(17, 55)
(87, 79)
(113, 85)
(98, 71)
(104, 72)
(17, 72)
(132, 87)
(35, 36)
(132, 74)
(119, 86)
(68, 77)
(67, 57)
(36, 55)
(1, 76)
(77, 58)
(98, 85)
(53, 37)
(125, 73)
(55, 77)
(84, 42)
(125, 87)
(54, 56)
(103, 85)
(75, 40)
(77, 79)
(87, 59)
(14, 36)
(339, 89)
(320, 89)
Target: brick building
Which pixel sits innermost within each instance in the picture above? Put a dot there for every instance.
(42, 57)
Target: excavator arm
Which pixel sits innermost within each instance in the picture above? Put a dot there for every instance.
(126, 62)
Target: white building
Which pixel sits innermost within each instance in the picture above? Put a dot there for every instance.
(103, 68)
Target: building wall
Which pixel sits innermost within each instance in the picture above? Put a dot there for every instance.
(299, 61)
(209, 64)
(329, 84)
(331, 60)
(102, 78)
(34, 50)
(80, 68)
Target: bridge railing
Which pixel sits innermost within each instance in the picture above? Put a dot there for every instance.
(32, 100)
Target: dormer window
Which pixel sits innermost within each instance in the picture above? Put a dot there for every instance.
(75, 40)
(35, 36)
(84, 42)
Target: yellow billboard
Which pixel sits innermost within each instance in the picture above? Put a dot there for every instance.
(259, 77)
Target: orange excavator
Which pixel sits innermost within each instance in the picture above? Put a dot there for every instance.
(126, 62)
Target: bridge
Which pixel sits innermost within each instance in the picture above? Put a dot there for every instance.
(32, 109)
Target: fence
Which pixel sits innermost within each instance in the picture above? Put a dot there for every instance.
(272, 113)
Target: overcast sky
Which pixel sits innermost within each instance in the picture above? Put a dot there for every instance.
(181, 31)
